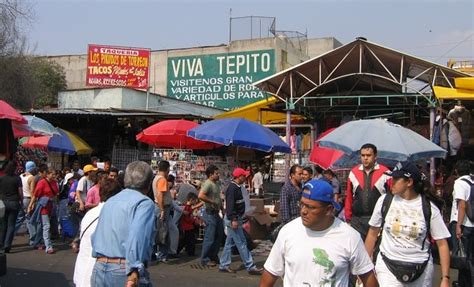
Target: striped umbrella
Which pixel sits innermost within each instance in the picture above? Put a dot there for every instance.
(66, 142)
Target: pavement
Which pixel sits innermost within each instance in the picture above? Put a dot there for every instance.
(29, 267)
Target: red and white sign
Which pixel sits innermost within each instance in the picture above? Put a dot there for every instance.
(117, 67)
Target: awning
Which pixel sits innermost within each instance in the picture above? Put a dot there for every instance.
(259, 112)
(464, 90)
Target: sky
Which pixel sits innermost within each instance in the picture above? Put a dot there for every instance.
(429, 29)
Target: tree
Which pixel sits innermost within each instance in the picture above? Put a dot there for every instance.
(13, 14)
(25, 81)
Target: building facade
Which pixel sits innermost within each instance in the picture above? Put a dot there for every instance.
(216, 76)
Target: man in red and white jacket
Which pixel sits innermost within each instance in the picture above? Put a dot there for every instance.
(366, 183)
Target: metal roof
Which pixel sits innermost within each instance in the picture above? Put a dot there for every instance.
(110, 113)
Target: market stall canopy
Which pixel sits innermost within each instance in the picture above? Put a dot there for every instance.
(66, 142)
(34, 127)
(241, 133)
(9, 113)
(259, 112)
(393, 141)
(361, 76)
(172, 134)
(464, 90)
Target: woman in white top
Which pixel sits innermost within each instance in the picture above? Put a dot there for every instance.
(405, 250)
(84, 261)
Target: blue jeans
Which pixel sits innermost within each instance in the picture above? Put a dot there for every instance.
(235, 236)
(7, 229)
(164, 249)
(213, 234)
(114, 274)
(22, 216)
(46, 226)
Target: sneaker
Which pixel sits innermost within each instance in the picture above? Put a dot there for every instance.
(50, 251)
(255, 271)
(39, 247)
(227, 270)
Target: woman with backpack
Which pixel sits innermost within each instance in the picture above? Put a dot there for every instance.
(410, 218)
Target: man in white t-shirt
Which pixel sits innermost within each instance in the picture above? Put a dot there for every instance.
(464, 228)
(318, 249)
(257, 182)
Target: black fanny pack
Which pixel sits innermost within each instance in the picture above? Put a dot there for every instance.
(405, 272)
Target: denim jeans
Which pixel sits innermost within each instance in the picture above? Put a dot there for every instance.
(46, 226)
(235, 236)
(22, 216)
(7, 230)
(213, 234)
(114, 274)
(164, 249)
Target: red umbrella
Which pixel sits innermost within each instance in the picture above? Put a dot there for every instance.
(172, 134)
(8, 112)
(35, 142)
(323, 156)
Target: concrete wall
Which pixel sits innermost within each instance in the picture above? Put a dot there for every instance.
(287, 54)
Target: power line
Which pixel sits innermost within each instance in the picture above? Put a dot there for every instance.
(457, 45)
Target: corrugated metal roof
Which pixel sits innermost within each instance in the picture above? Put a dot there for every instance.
(110, 112)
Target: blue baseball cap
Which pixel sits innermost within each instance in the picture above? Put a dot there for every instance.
(29, 166)
(320, 190)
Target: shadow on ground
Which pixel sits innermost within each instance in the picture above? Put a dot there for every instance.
(24, 277)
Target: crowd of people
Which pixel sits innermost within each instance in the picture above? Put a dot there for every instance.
(385, 228)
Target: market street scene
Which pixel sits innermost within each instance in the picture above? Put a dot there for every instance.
(159, 143)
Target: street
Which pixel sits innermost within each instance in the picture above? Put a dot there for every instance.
(28, 267)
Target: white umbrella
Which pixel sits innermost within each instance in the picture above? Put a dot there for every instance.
(392, 141)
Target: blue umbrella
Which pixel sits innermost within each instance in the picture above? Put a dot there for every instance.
(393, 141)
(240, 133)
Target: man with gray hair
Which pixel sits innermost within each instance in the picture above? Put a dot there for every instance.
(123, 240)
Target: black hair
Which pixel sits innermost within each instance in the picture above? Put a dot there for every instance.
(191, 196)
(210, 170)
(114, 169)
(163, 165)
(425, 188)
(463, 167)
(293, 168)
(170, 178)
(10, 168)
(369, 145)
(43, 167)
(318, 169)
(308, 169)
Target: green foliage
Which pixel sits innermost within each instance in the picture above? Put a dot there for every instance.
(30, 82)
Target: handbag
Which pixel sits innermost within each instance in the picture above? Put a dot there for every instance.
(405, 272)
(458, 258)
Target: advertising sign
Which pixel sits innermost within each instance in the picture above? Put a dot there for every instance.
(117, 66)
(220, 80)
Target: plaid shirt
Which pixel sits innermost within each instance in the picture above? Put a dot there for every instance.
(289, 198)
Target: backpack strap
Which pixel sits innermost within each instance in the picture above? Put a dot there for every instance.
(387, 201)
(426, 206)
